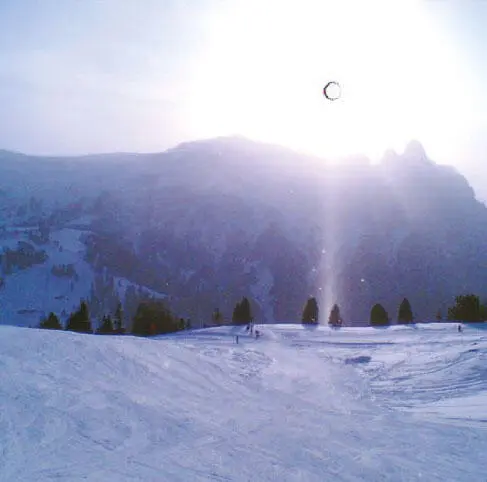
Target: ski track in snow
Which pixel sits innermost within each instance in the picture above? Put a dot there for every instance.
(298, 404)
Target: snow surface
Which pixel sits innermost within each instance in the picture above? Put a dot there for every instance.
(122, 284)
(30, 294)
(297, 404)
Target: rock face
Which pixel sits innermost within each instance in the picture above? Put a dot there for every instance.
(208, 222)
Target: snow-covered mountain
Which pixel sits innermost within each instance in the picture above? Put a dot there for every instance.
(210, 221)
(355, 404)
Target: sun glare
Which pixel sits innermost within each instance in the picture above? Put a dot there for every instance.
(263, 71)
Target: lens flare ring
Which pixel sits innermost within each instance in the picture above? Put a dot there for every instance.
(332, 90)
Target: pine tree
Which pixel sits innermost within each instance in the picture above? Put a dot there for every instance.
(405, 314)
(467, 308)
(378, 315)
(80, 320)
(118, 319)
(310, 311)
(106, 327)
(246, 310)
(242, 312)
(439, 316)
(335, 319)
(51, 323)
(153, 317)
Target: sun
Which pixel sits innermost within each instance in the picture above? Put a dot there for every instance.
(263, 70)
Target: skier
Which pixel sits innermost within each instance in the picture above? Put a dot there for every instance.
(459, 328)
(257, 333)
(236, 339)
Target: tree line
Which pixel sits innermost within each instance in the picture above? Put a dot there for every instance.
(378, 315)
(153, 317)
(467, 308)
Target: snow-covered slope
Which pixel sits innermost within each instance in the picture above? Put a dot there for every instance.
(397, 404)
(28, 295)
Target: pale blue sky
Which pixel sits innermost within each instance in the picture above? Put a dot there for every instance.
(129, 75)
(465, 22)
(88, 76)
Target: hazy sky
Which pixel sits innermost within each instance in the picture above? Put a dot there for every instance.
(79, 76)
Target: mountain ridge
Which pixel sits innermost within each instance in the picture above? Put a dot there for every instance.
(207, 222)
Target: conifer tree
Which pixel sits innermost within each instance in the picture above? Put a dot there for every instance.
(310, 311)
(118, 319)
(80, 320)
(242, 312)
(335, 319)
(106, 327)
(51, 323)
(378, 315)
(467, 308)
(153, 317)
(405, 314)
(246, 310)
